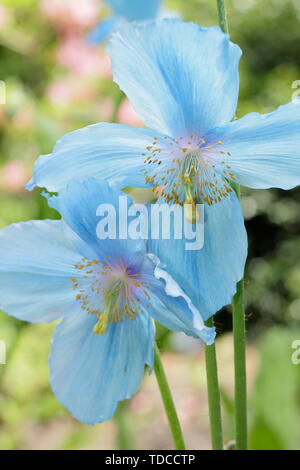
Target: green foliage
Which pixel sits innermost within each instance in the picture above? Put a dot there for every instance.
(275, 402)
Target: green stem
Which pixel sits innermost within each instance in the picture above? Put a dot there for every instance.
(239, 339)
(214, 403)
(168, 401)
(240, 372)
(238, 313)
(222, 15)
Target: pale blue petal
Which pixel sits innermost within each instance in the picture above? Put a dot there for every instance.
(91, 373)
(264, 148)
(102, 30)
(135, 10)
(102, 150)
(172, 307)
(78, 204)
(209, 275)
(37, 264)
(181, 79)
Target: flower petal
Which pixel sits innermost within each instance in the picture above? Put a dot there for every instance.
(209, 275)
(264, 148)
(172, 307)
(37, 265)
(102, 150)
(181, 79)
(79, 204)
(91, 373)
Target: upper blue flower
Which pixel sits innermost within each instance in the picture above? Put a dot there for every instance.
(132, 10)
(106, 292)
(183, 81)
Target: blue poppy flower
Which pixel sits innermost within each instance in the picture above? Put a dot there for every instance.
(105, 291)
(183, 81)
(132, 10)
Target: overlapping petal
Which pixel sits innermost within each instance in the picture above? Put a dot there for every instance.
(209, 275)
(111, 151)
(83, 204)
(90, 373)
(37, 265)
(172, 307)
(264, 148)
(181, 79)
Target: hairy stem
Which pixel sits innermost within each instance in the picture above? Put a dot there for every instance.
(214, 403)
(168, 401)
(238, 313)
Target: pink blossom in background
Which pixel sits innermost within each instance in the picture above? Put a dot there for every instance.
(13, 177)
(127, 115)
(65, 14)
(82, 59)
(69, 90)
(72, 18)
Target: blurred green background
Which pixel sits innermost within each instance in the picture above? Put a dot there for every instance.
(55, 83)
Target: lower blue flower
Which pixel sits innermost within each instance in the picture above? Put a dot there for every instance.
(107, 293)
